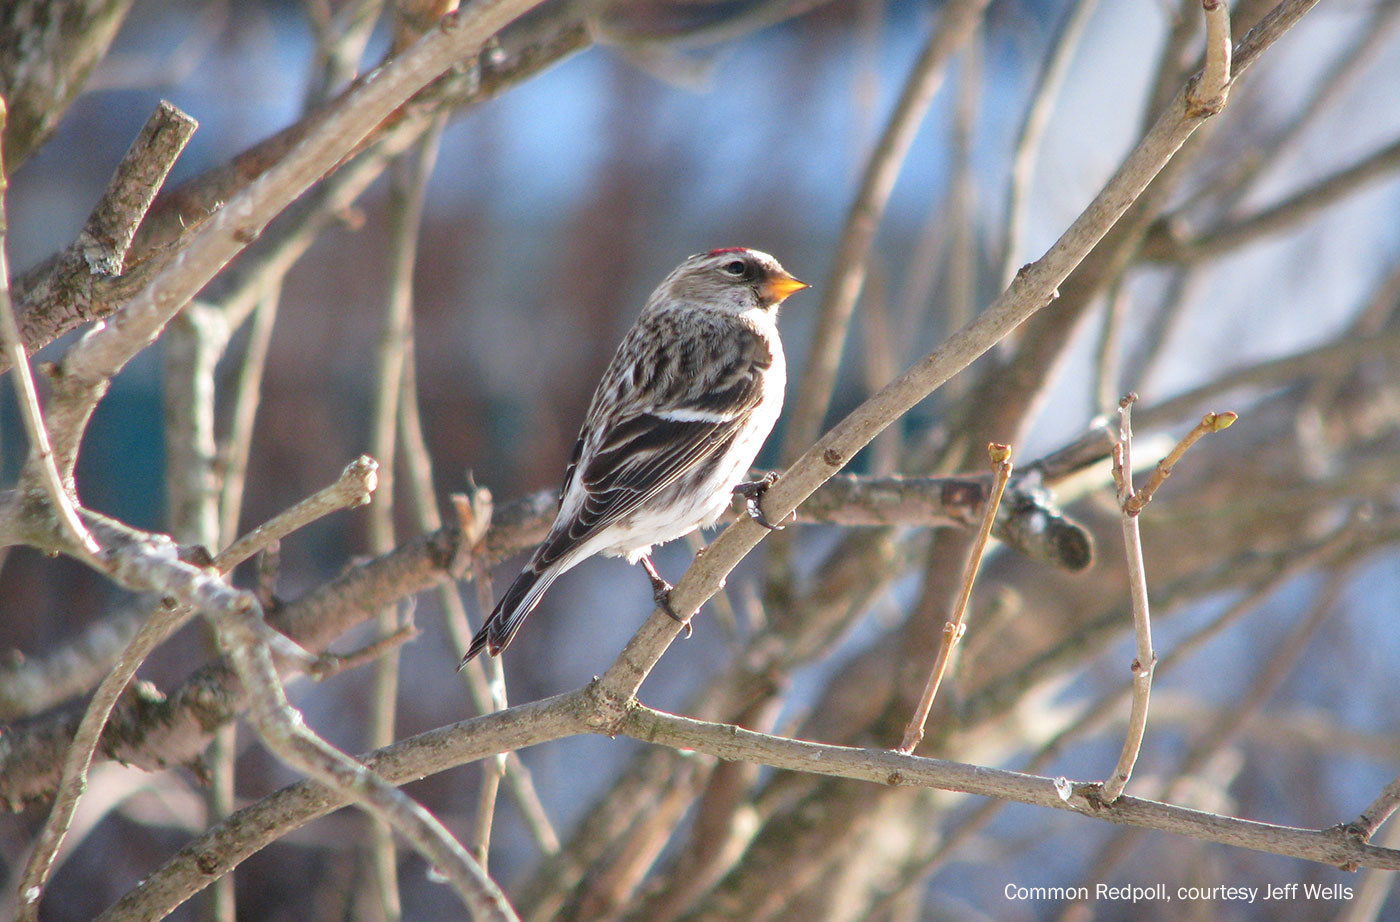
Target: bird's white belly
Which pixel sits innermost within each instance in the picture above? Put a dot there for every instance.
(670, 516)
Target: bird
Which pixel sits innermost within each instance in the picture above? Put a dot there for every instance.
(678, 418)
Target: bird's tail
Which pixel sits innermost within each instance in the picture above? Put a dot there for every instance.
(519, 600)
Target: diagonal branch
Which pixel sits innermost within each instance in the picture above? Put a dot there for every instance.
(334, 134)
(57, 295)
(72, 533)
(956, 23)
(1033, 288)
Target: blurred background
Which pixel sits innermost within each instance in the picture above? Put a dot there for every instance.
(555, 207)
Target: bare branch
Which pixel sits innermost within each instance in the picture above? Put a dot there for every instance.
(953, 629)
(351, 489)
(1146, 660)
(335, 133)
(70, 529)
(57, 295)
(882, 766)
(1376, 812)
(1294, 210)
(1063, 46)
(1211, 422)
(1033, 288)
(955, 25)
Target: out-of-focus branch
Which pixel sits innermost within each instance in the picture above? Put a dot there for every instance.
(47, 49)
(408, 192)
(1063, 45)
(33, 684)
(956, 23)
(333, 134)
(1164, 245)
(1329, 358)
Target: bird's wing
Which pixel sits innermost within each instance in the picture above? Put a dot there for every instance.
(688, 401)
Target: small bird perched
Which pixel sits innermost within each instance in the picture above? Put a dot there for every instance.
(681, 412)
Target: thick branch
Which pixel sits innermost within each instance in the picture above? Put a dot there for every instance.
(59, 294)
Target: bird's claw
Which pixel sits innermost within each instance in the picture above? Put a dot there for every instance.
(661, 594)
(752, 491)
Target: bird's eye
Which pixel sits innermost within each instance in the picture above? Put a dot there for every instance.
(736, 268)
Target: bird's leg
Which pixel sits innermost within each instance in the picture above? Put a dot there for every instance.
(661, 593)
(752, 491)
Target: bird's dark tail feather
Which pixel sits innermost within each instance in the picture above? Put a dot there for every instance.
(519, 600)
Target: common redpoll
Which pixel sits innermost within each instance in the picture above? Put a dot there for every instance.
(681, 412)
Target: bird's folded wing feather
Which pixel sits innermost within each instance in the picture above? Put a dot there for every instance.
(692, 400)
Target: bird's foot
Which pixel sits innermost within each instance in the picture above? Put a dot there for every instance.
(752, 491)
(661, 594)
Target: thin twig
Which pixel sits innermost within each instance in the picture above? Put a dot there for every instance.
(953, 630)
(1211, 422)
(1377, 812)
(41, 457)
(353, 488)
(78, 758)
(332, 664)
(1131, 504)
(1210, 91)
(1226, 726)
(408, 193)
(1146, 660)
(1052, 77)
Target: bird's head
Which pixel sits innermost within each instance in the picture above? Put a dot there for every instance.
(731, 279)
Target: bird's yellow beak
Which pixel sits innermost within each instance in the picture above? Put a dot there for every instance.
(776, 289)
